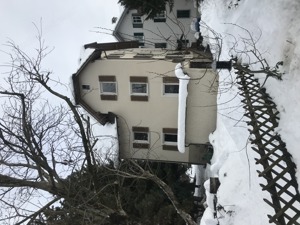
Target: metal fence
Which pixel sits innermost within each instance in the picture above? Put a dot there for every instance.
(278, 167)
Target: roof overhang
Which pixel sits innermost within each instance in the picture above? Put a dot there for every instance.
(116, 32)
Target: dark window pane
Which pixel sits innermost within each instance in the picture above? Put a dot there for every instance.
(170, 137)
(139, 88)
(139, 136)
(171, 88)
(183, 13)
(160, 45)
(85, 87)
(108, 87)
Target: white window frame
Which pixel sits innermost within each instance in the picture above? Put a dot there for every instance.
(137, 19)
(140, 94)
(169, 142)
(108, 93)
(171, 94)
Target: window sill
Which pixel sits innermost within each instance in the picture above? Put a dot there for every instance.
(109, 97)
(140, 145)
(139, 98)
(170, 147)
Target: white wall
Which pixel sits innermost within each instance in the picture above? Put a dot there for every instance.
(159, 111)
(156, 32)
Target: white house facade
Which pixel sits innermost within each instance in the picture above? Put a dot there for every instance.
(168, 30)
(137, 87)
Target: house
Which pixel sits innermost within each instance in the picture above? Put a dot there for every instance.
(168, 30)
(137, 89)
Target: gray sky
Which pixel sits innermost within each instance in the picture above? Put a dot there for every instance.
(67, 25)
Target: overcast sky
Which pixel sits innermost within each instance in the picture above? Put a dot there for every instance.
(67, 25)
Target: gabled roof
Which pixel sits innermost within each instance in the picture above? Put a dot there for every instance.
(96, 55)
(116, 33)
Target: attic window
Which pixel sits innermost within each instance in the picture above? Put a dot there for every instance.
(85, 87)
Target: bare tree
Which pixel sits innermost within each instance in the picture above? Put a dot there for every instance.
(48, 153)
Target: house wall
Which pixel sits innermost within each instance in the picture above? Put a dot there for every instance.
(160, 111)
(159, 32)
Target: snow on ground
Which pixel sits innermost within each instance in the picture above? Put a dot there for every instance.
(275, 29)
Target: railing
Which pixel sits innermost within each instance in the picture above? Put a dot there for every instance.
(278, 167)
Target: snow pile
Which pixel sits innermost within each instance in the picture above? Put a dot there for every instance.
(276, 32)
(183, 83)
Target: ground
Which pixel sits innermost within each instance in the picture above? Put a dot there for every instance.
(275, 28)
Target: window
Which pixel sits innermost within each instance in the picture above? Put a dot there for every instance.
(137, 21)
(140, 38)
(171, 88)
(183, 13)
(160, 45)
(160, 17)
(85, 87)
(170, 139)
(108, 87)
(139, 88)
(140, 137)
(170, 85)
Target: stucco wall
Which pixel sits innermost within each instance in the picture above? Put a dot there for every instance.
(160, 111)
